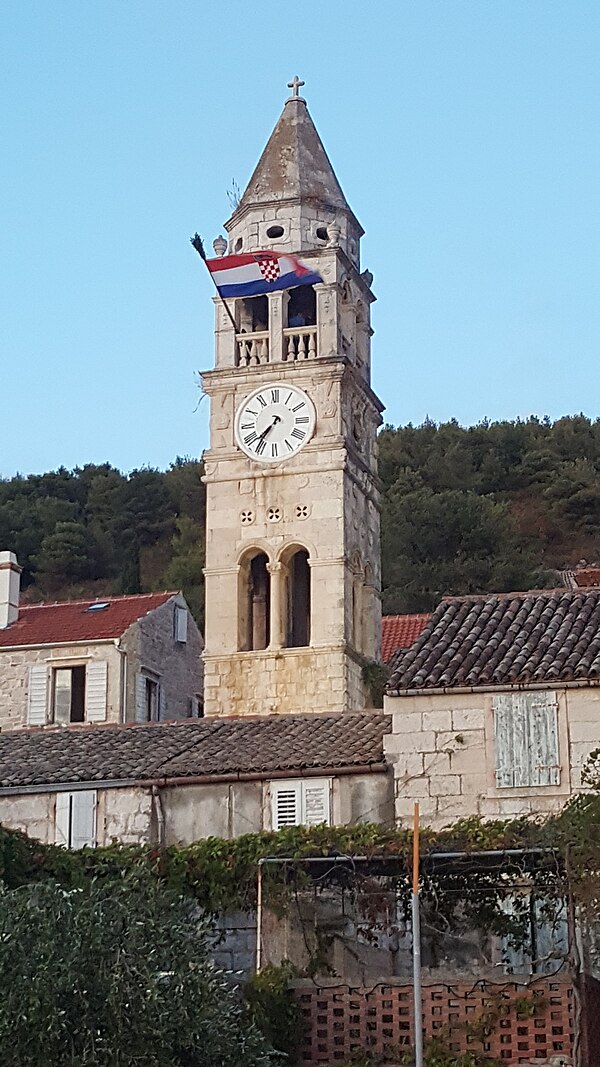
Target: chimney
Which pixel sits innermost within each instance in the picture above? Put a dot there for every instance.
(10, 581)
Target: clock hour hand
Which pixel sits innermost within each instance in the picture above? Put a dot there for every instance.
(276, 419)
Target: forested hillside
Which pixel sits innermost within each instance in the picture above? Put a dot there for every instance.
(494, 506)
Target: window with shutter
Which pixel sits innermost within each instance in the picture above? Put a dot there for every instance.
(303, 802)
(181, 625)
(526, 736)
(96, 689)
(37, 700)
(75, 819)
(147, 698)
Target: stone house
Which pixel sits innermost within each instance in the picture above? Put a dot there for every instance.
(167, 783)
(120, 659)
(496, 706)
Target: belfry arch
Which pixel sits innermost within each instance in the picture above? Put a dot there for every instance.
(254, 601)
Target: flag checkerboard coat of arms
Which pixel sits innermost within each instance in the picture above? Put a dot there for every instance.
(269, 268)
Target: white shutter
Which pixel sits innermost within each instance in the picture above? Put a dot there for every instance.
(37, 706)
(315, 801)
(161, 702)
(181, 624)
(83, 818)
(140, 698)
(526, 729)
(96, 677)
(286, 804)
(504, 740)
(543, 738)
(62, 820)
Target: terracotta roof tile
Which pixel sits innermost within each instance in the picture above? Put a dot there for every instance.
(504, 639)
(195, 747)
(52, 624)
(400, 631)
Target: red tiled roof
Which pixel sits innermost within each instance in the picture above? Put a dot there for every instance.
(588, 577)
(399, 631)
(52, 624)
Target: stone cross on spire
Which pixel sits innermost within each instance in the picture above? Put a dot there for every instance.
(295, 85)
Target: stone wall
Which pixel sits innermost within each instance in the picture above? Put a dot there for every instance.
(150, 644)
(14, 677)
(442, 749)
(284, 681)
(191, 812)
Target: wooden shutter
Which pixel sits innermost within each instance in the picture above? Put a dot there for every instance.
(181, 625)
(96, 677)
(526, 730)
(83, 818)
(286, 803)
(315, 801)
(37, 705)
(62, 820)
(140, 699)
(543, 739)
(504, 740)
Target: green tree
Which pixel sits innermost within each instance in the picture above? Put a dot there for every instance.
(115, 974)
(64, 557)
(185, 569)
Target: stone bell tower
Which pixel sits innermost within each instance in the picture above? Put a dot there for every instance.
(292, 543)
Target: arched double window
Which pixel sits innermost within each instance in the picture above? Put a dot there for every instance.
(298, 600)
(254, 602)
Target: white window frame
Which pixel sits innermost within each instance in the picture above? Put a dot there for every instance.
(75, 819)
(301, 797)
(144, 677)
(526, 739)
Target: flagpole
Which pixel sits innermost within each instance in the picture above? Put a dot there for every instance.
(196, 242)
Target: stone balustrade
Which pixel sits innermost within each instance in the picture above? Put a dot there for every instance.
(252, 349)
(300, 342)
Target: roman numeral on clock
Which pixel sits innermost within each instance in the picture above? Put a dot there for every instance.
(261, 400)
(247, 426)
(298, 434)
(274, 451)
(298, 406)
(302, 419)
(262, 444)
(251, 438)
(275, 396)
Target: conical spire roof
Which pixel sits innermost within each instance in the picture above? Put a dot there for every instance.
(294, 164)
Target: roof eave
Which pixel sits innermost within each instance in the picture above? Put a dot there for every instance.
(517, 687)
(199, 779)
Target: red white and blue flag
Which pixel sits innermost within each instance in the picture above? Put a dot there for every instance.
(253, 273)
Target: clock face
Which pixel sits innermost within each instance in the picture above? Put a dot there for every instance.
(274, 422)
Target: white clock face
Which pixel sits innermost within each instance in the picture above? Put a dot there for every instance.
(274, 422)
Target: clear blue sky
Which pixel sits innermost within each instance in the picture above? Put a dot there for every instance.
(464, 134)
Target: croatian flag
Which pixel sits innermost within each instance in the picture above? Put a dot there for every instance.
(254, 273)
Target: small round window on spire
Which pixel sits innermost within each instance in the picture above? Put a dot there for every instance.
(275, 231)
(322, 233)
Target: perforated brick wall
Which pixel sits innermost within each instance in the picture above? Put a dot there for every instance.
(341, 1021)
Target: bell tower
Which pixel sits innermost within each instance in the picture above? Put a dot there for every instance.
(292, 571)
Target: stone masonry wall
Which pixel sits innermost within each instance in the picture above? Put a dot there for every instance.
(442, 749)
(14, 677)
(150, 643)
(286, 681)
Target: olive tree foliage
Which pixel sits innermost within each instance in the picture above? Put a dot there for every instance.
(113, 975)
